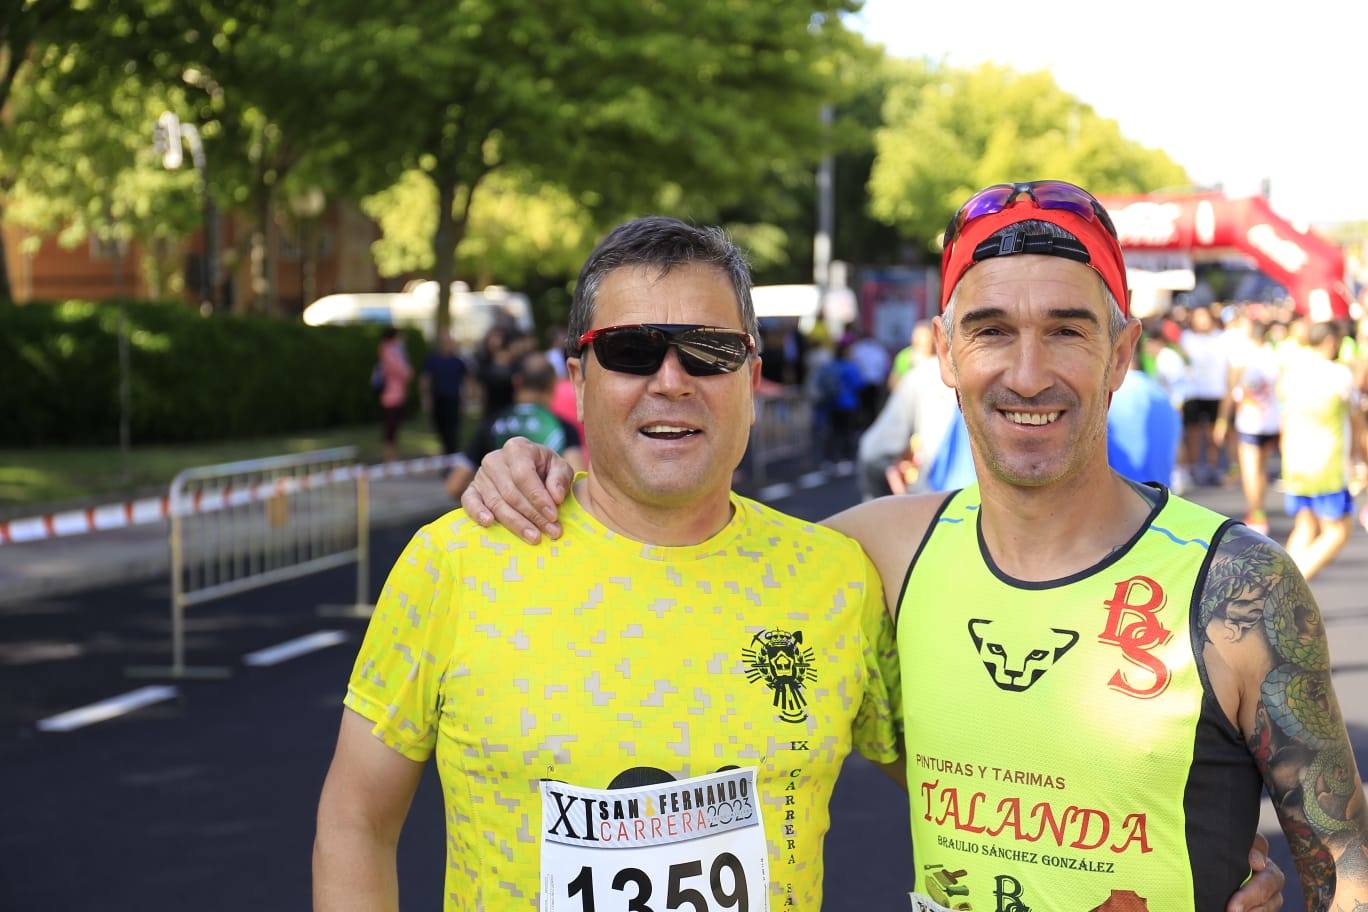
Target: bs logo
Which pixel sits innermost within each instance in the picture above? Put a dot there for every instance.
(1133, 625)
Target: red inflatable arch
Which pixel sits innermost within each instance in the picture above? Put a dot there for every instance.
(1308, 266)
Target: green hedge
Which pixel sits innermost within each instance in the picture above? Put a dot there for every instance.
(193, 378)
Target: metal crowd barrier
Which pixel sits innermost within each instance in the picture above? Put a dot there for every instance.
(242, 525)
(782, 430)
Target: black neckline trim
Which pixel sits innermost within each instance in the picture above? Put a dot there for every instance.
(907, 577)
(1098, 567)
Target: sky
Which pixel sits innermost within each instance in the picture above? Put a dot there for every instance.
(1234, 93)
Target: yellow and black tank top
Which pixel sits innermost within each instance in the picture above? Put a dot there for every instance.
(1064, 749)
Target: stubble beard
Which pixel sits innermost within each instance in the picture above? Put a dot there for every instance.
(1039, 469)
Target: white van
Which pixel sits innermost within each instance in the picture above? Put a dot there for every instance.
(472, 312)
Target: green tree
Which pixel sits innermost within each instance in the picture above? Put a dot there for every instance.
(86, 166)
(26, 28)
(683, 106)
(517, 231)
(948, 132)
(777, 225)
(87, 80)
(256, 80)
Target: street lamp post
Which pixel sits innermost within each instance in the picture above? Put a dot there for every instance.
(307, 207)
(168, 137)
(826, 218)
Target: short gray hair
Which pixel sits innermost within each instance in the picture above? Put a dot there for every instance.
(664, 243)
(1036, 228)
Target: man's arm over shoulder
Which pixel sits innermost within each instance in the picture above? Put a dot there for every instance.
(366, 797)
(891, 530)
(1265, 650)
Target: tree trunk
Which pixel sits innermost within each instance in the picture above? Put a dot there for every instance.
(150, 267)
(309, 234)
(444, 252)
(6, 293)
(263, 291)
(451, 229)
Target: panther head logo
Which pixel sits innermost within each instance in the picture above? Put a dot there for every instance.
(1015, 664)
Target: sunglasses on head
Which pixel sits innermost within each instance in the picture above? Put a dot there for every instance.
(1046, 194)
(640, 348)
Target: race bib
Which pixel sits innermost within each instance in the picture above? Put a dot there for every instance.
(696, 844)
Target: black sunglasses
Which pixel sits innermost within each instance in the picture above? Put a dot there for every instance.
(640, 348)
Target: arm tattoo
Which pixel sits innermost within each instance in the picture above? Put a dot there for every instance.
(1255, 599)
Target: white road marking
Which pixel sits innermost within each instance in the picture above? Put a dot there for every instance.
(292, 649)
(775, 491)
(107, 709)
(812, 480)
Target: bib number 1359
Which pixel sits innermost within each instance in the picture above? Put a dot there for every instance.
(690, 845)
(726, 886)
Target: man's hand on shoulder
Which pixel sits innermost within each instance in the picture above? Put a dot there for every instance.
(1265, 650)
(521, 487)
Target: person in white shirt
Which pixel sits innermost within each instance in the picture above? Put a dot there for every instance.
(873, 362)
(910, 429)
(1206, 387)
(1253, 397)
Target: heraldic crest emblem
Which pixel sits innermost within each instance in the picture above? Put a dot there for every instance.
(779, 658)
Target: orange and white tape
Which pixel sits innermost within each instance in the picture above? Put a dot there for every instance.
(153, 509)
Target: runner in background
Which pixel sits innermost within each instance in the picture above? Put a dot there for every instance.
(837, 384)
(442, 386)
(869, 355)
(395, 375)
(1322, 437)
(1205, 388)
(922, 348)
(897, 450)
(531, 416)
(1144, 430)
(1360, 480)
(1253, 397)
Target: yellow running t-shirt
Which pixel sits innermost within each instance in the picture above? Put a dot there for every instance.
(1316, 396)
(600, 662)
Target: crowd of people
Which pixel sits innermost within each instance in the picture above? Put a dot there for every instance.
(1249, 394)
(516, 387)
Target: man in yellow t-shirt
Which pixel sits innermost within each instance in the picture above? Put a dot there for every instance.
(656, 719)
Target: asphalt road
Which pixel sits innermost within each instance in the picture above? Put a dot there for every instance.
(206, 802)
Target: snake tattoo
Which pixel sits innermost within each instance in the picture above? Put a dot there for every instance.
(1253, 592)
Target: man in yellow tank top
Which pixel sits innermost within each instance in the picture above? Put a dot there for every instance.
(1096, 673)
(652, 714)
(1147, 665)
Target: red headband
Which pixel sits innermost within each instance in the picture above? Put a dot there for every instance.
(1104, 250)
